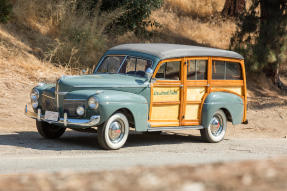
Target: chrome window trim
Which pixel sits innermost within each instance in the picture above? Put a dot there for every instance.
(122, 64)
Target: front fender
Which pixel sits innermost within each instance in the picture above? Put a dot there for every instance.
(222, 100)
(111, 100)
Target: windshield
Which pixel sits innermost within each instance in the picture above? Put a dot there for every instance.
(124, 65)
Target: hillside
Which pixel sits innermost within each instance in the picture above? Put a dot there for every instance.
(30, 44)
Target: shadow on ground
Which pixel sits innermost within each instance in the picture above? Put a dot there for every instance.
(72, 140)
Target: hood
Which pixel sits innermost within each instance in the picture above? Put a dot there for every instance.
(101, 81)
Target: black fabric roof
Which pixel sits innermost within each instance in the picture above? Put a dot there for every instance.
(164, 51)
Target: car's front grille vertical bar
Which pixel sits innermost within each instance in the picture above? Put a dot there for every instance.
(57, 95)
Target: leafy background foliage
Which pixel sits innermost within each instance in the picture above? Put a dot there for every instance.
(76, 33)
(5, 10)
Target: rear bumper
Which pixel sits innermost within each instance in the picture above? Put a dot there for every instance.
(93, 121)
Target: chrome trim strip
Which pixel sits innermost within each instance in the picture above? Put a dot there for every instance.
(61, 93)
(151, 129)
(75, 99)
(39, 115)
(65, 119)
(114, 86)
(94, 120)
(57, 96)
(48, 96)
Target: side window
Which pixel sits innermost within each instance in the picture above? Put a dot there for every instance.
(218, 70)
(222, 70)
(233, 71)
(197, 70)
(169, 71)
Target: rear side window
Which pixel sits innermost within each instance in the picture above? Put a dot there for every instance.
(169, 71)
(233, 71)
(197, 70)
(223, 70)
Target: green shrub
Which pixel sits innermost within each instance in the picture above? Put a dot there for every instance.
(5, 10)
(135, 17)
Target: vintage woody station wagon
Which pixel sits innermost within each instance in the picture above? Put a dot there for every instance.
(147, 87)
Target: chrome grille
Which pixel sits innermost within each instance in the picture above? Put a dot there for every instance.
(48, 103)
(70, 107)
(56, 94)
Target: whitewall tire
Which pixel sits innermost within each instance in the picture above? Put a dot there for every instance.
(216, 129)
(114, 133)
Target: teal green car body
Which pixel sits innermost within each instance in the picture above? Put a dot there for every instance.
(114, 91)
(129, 94)
(230, 103)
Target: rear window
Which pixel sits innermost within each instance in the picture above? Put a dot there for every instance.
(223, 70)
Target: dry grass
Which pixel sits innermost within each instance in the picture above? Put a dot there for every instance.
(203, 8)
(75, 38)
(48, 33)
(18, 64)
(213, 32)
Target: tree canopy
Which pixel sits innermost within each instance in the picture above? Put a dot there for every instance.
(262, 36)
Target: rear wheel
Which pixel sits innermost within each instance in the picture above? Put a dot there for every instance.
(49, 131)
(216, 129)
(114, 133)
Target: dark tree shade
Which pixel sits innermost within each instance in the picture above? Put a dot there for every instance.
(233, 8)
(262, 37)
(5, 10)
(271, 35)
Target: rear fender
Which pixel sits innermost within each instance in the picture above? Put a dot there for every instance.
(222, 100)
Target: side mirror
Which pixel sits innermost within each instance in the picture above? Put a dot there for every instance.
(148, 73)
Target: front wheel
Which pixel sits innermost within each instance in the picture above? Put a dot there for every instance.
(114, 133)
(216, 128)
(49, 131)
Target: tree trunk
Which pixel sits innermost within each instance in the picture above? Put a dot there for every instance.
(233, 8)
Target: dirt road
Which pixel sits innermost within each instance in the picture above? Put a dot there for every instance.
(26, 151)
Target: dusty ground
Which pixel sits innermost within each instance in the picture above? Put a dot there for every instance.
(261, 175)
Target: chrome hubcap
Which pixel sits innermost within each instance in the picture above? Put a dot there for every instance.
(216, 125)
(116, 131)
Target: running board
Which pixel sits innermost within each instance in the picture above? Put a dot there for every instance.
(150, 129)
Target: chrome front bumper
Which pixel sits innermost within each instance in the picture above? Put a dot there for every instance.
(94, 120)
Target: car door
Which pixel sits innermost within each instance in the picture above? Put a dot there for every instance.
(195, 81)
(167, 94)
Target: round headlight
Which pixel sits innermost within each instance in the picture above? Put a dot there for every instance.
(80, 110)
(34, 95)
(93, 102)
(35, 104)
